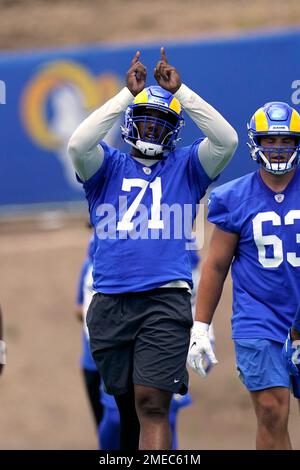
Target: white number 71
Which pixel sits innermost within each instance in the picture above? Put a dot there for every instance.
(155, 222)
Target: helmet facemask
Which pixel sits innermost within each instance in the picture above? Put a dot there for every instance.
(152, 128)
(276, 119)
(276, 160)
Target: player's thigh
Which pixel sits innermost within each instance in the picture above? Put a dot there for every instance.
(106, 322)
(151, 400)
(112, 341)
(115, 365)
(260, 365)
(162, 343)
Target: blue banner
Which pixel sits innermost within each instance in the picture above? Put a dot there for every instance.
(45, 95)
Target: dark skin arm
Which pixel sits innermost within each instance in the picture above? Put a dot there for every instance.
(165, 74)
(136, 75)
(136, 81)
(215, 268)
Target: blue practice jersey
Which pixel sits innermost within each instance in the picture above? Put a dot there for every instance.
(86, 360)
(296, 322)
(80, 286)
(84, 269)
(266, 266)
(194, 254)
(143, 218)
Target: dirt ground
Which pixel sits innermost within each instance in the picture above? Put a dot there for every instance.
(43, 404)
(46, 23)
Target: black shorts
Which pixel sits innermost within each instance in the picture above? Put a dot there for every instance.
(141, 338)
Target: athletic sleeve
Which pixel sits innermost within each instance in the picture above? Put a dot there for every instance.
(216, 150)
(96, 184)
(85, 151)
(199, 179)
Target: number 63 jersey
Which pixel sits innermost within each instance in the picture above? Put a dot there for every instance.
(143, 217)
(266, 267)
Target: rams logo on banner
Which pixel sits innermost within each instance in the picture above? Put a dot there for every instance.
(57, 99)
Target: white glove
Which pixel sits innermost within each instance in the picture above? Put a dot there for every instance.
(200, 347)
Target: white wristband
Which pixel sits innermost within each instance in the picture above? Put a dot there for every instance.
(2, 352)
(201, 326)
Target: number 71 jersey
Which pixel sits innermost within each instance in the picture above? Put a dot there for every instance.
(266, 266)
(143, 218)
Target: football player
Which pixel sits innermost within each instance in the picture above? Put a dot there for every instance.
(140, 317)
(257, 226)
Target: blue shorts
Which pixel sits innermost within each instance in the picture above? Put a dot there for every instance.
(260, 365)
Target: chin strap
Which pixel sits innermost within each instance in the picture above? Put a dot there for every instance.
(276, 168)
(146, 148)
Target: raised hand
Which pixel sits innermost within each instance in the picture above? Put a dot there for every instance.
(166, 75)
(136, 75)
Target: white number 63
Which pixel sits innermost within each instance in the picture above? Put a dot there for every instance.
(262, 240)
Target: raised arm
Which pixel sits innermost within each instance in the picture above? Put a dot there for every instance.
(221, 139)
(84, 149)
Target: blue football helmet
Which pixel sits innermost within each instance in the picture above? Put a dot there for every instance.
(153, 121)
(273, 119)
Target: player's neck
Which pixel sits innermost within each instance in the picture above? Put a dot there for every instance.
(140, 157)
(277, 183)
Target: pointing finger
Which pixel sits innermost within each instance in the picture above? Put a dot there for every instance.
(136, 58)
(163, 55)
